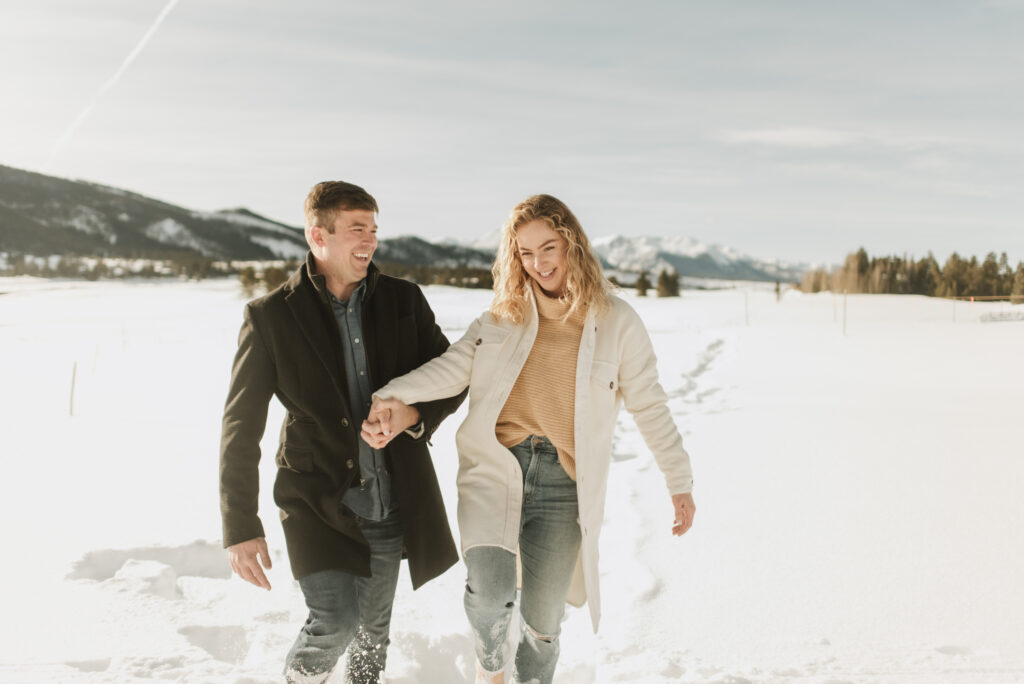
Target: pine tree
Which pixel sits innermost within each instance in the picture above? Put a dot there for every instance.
(986, 281)
(954, 277)
(934, 277)
(810, 281)
(247, 276)
(642, 284)
(924, 276)
(274, 276)
(855, 274)
(1005, 275)
(668, 284)
(973, 278)
(1017, 294)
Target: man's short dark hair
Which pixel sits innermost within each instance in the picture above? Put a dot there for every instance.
(327, 198)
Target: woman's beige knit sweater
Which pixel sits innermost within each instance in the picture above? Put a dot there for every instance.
(541, 401)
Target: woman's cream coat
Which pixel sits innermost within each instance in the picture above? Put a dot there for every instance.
(616, 365)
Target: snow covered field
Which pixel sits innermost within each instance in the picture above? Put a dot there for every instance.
(859, 498)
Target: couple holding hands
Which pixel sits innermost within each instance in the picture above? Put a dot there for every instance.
(366, 376)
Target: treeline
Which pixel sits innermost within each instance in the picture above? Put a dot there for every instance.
(96, 268)
(958, 277)
(263, 280)
(256, 280)
(255, 276)
(668, 284)
(258, 277)
(459, 276)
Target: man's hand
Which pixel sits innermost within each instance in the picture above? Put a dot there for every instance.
(684, 508)
(387, 419)
(243, 561)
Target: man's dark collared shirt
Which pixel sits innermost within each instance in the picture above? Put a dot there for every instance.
(371, 499)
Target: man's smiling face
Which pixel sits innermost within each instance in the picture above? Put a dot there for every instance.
(346, 253)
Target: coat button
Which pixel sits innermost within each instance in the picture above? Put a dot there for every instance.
(478, 341)
(344, 421)
(611, 385)
(350, 464)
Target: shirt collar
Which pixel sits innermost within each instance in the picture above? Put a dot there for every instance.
(357, 294)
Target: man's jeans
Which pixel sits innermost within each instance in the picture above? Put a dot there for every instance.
(347, 611)
(549, 542)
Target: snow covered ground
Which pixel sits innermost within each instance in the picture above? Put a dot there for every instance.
(859, 498)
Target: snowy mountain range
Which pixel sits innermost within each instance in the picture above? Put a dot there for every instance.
(44, 215)
(621, 256)
(689, 257)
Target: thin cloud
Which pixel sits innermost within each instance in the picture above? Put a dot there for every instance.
(800, 138)
(812, 138)
(111, 82)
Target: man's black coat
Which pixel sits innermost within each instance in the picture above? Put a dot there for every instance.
(289, 346)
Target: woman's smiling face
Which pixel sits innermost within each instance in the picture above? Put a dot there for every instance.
(542, 251)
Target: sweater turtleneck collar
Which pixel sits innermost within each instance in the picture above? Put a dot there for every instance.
(547, 306)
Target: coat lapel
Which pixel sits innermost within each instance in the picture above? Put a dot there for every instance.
(378, 332)
(310, 319)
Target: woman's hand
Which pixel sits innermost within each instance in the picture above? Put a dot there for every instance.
(387, 419)
(683, 505)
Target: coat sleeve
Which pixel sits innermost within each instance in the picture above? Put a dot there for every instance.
(645, 399)
(443, 376)
(253, 379)
(433, 344)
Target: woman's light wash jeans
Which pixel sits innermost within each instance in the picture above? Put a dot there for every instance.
(350, 612)
(549, 542)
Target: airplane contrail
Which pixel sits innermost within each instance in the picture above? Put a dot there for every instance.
(111, 82)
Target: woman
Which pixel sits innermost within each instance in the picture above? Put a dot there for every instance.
(546, 369)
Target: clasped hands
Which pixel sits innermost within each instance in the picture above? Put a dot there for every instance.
(387, 419)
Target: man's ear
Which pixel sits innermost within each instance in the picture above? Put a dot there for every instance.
(316, 234)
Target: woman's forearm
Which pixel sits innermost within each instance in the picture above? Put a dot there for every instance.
(443, 376)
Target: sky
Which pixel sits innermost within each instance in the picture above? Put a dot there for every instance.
(793, 130)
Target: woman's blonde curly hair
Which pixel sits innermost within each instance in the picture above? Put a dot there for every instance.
(585, 284)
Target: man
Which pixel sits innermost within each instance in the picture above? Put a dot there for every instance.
(321, 343)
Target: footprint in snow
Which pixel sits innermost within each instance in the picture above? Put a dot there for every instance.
(99, 665)
(227, 643)
(690, 380)
(711, 353)
(673, 669)
(273, 617)
(146, 577)
(166, 668)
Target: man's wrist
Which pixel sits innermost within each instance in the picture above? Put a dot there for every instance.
(416, 431)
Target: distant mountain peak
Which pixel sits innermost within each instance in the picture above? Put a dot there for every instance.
(687, 256)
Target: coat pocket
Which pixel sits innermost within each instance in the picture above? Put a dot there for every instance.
(605, 376)
(604, 391)
(491, 334)
(489, 358)
(296, 459)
